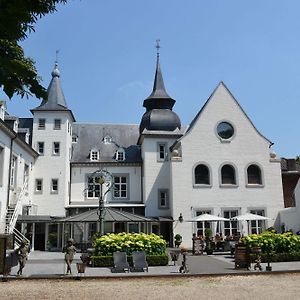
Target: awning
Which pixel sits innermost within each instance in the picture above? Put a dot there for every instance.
(110, 215)
(36, 218)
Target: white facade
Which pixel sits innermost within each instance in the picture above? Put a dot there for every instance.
(156, 169)
(16, 164)
(53, 164)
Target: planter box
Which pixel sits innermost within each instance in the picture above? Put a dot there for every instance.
(107, 261)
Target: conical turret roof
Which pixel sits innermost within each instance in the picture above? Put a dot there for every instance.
(56, 99)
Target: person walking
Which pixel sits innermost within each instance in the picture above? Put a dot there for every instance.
(22, 253)
(69, 251)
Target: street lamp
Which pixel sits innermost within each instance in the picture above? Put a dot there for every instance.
(105, 181)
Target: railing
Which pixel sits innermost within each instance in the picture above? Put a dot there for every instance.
(19, 237)
(13, 219)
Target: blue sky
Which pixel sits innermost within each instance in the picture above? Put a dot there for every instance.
(107, 59)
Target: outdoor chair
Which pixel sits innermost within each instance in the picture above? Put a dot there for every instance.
(120, 262)
(139, 261)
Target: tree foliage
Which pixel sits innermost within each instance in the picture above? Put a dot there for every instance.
(18, 74)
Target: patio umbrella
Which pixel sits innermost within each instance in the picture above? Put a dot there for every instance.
(207, 218)
(249, 217)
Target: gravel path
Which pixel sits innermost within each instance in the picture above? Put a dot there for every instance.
(284, 286)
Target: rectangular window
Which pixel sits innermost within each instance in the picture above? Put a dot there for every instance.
(56, 148)
(94, 155)
(93, 190)
(42, 124)
(230, 227)
(120, 187)
(259, 225)
(13, 172)
(26, 176)
(39, 186)
(57, 124)
(163, 201)
(40, 148)
(161, 151)
(201, 226)
(133, 227)
(54, 186)
(120, 155)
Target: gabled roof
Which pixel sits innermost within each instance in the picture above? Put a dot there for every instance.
(194, 121)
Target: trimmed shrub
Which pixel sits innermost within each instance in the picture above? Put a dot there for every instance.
(151, 244)
(274, 243)
(108, 261)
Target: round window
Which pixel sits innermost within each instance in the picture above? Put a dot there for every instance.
(225, 130)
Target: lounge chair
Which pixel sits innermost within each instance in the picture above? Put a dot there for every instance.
(120, 262)
(139, 261)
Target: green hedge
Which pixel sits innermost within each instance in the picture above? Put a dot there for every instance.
(277, 257)
(107, 261)
(272, 242)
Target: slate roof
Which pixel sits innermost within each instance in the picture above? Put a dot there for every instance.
(26, 123)
(56, 100)
(91, 136)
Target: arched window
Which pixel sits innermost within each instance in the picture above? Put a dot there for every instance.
(202, 175)
(254, 174)
(228, 175)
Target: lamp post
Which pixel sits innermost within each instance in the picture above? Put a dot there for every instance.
(105, 181)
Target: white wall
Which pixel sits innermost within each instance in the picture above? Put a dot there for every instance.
(201, 144)
(79, 184)
(23, 157)
(49, 166)
(156, 175)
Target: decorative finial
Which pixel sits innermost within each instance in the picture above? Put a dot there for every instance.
(55, 72)
(157, 47)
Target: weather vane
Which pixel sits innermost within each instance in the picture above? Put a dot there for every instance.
(56, 56)
(157, 47)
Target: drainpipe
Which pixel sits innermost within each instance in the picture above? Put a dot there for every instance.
(9, 170)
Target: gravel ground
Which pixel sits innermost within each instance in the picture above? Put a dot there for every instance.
(284, 286)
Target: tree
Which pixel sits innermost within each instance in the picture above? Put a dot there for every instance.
(18, 74)
(297, 159)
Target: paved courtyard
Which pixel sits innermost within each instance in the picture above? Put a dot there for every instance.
(51, 264)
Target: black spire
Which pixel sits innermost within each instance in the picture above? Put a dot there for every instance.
(159, 114)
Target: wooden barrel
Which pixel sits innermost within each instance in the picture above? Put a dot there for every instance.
(241, 256)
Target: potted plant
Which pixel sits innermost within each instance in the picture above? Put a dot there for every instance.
(178, 240)
(208, 241)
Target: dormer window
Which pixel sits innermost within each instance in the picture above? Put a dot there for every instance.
(16, 125)
(94, 155)
(107, 139)
(120, 154)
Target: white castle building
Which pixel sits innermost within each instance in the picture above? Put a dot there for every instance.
(163, 173)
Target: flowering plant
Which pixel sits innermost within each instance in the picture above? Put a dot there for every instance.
(271, 242)
(151, 244)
